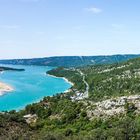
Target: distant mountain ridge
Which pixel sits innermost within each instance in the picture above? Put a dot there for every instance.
(71, 61)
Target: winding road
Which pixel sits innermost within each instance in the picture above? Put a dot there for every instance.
(87, 85)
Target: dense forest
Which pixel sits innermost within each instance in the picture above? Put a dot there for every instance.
(61, 118)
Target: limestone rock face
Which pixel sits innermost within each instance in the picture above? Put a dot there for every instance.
(114, 106)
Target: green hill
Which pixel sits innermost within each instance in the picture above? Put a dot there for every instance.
(105, 80)
(110, 112)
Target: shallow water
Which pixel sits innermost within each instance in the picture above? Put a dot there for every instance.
(29, 86)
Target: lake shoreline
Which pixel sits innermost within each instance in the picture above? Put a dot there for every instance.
(28, 87)
(66, 80)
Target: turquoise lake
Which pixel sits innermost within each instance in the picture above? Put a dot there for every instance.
(29, 86)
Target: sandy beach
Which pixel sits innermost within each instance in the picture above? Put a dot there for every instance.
(5, 88)
(68, 81)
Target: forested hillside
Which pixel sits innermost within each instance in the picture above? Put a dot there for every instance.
(111, 111)
(105, 81)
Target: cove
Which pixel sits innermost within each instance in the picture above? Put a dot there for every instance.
(30, 86)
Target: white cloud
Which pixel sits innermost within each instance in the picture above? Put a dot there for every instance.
(94, 10)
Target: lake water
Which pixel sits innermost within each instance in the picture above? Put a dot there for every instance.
(29, 86)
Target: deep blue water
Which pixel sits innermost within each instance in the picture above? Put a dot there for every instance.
(29, 86)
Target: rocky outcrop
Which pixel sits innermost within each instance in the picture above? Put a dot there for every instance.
(114, 106)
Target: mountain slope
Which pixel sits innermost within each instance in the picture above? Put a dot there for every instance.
(105, 81)
(71, 61)
(112, 111)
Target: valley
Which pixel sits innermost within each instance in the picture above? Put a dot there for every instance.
(103, 103)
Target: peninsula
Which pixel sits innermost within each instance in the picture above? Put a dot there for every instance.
(9, 68)
(4, 88)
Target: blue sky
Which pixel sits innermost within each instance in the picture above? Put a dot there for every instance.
(42, 28)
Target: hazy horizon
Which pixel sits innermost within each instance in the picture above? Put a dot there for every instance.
(44, 28)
